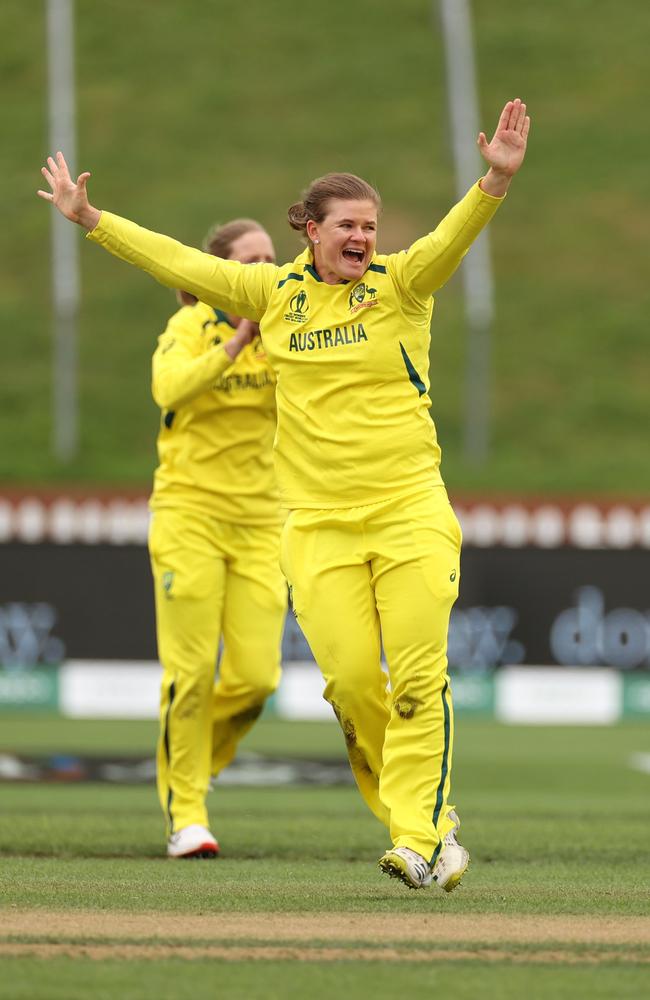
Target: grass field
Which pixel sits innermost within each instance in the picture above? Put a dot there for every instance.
(555, 903)
(233, 113)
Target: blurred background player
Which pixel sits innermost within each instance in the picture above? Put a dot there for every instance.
(371, 546)
(214, 543)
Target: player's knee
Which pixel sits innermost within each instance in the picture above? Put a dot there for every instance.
(406, 706)
(263, 690)
(248, 715)
(419, 693)
(260, 681)
(344, 695)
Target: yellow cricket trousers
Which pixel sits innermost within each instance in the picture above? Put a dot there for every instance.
(212, 580)
(385, 574)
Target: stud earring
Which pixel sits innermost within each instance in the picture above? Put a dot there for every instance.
(316, 241)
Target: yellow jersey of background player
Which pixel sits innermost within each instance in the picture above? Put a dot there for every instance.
(214, 448)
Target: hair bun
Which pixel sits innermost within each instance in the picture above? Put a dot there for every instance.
(297, 216)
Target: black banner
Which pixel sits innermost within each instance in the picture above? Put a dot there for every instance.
(524, 605)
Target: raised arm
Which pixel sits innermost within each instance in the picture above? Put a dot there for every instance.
(242, 289)
(505, 152)
(70, 197)
(431, 260)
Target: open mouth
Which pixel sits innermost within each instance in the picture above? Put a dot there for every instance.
(356, 256)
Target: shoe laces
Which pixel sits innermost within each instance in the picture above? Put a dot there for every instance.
(420, 864)
(449, 839)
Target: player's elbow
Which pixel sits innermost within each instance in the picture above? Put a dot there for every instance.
(164, 394)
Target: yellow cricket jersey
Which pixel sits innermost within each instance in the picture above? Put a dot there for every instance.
(351, 360)
(217, 423)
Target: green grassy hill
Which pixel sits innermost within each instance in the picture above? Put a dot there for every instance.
(200, 111)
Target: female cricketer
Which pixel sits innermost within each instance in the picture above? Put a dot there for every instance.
(371, 546)
(214, 543)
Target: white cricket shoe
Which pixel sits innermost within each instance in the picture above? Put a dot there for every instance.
(192, 842)
(453, 859)
(408, 866)
(416, 872)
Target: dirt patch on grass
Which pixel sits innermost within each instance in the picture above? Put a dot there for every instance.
(240, 953)
(371, 928)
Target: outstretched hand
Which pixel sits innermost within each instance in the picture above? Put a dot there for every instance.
(507, 148)
(69, 197)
